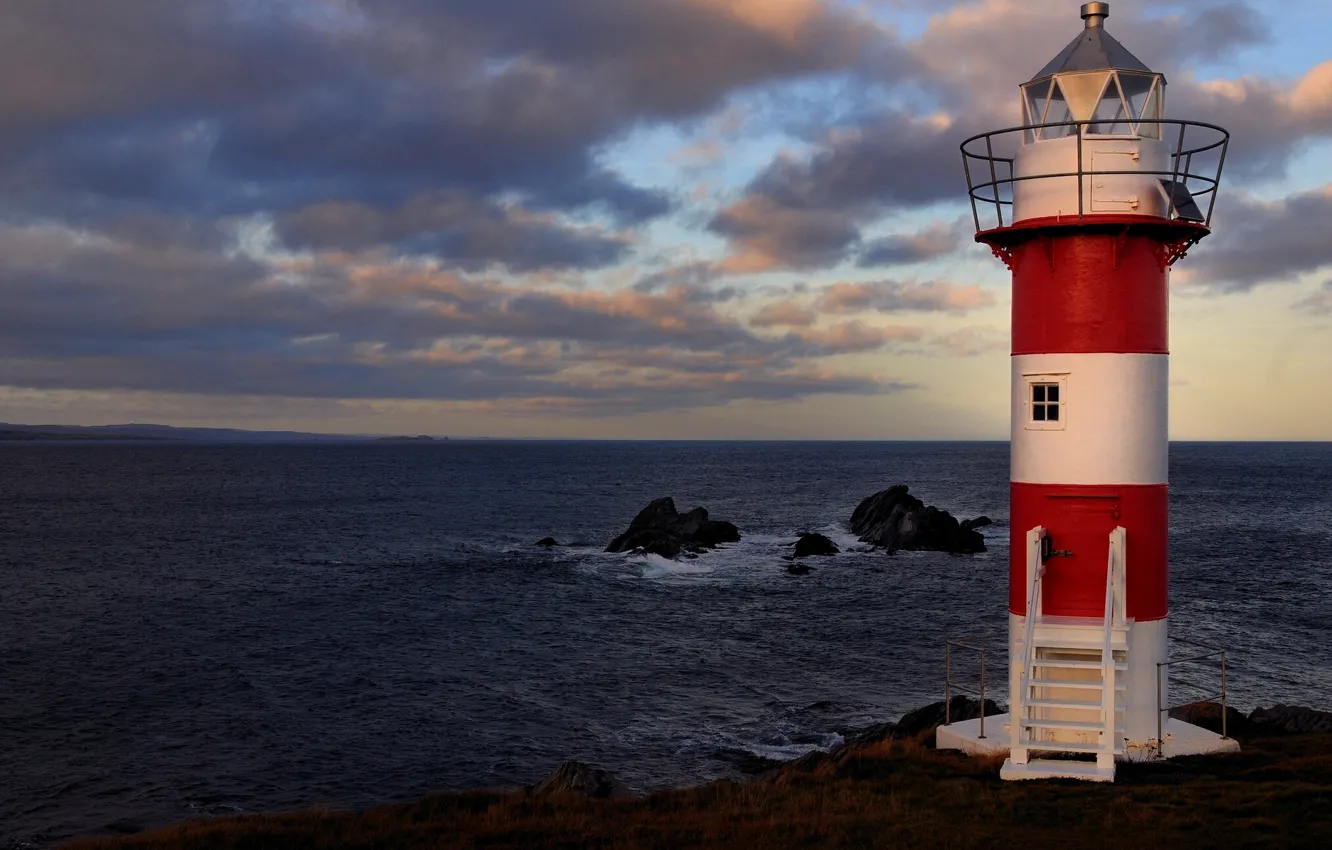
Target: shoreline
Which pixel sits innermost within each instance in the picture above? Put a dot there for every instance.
(886, 785)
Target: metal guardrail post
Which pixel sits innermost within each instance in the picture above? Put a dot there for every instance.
(1174, 177)
(948, 683)
(1211, 204)
(971, 190)
(949, 687)
(1079, 131)
(1224, 710)
(1160, 732)
(994, 180)
(982, 694)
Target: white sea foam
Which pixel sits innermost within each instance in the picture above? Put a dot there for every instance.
(657, 567)
(786, 752)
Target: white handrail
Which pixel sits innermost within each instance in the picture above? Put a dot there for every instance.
(1035, 572)
(1114, 615)
(1108, 656)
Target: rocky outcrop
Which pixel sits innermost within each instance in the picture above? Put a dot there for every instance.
(894, 519)
(799, 569)
(1207, 715)
(661, 530)
(921, 721)
(814, 544)
(548, 542)
(1288, 718)
(574, 777)
(930, 717)
(978, 522)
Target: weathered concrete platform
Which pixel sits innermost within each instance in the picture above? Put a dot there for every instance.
(1181, 739)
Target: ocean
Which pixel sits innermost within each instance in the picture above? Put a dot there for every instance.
(192, 630)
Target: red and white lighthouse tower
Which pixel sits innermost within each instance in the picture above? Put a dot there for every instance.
(1089, 203)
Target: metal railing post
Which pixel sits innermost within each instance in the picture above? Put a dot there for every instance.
(982, 694)
(948, 683)
(1160, 733)
(994, 180)
(1174, 177)
(1079, 129)
(971, 191)
(1224, 710)
(1216, 188)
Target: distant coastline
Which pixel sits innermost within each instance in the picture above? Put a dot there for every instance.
(10, 432)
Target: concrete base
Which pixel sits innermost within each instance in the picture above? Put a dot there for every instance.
(964, 735)
(1088, 771)
(1181, 739)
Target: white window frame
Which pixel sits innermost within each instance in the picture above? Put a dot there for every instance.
(1059, 379)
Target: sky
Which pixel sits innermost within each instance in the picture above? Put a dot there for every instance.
(657, 219)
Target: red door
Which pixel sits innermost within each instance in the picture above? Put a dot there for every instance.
(1080, 527)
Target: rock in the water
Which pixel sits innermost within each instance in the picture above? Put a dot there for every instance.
(894, 519)
(978, 522)
(574, 777)
(1289, 718)
(548, 541)
(662, 530)
(798, 569)
(814, 544)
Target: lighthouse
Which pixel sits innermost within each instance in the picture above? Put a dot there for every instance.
(1089, 202)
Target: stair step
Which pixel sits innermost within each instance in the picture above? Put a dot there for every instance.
(1063, 621)
(1055, 769)
(1072, 683)
(1067, 747)
(1075, 665)
(1064, 643)
(1062, 703)
(1078, 725)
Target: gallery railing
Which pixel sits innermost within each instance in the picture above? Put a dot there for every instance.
(992, 195)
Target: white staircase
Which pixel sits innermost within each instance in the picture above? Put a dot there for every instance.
(1071, 700)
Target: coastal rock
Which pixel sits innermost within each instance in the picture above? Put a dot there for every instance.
(814, 544)
(661, 530)
(1288, 718)
(978, 522)
(920, 722)
(574, 777)
(1207, 715)
(894, 519)
(798, 569)
(548, 542)
(930, 717)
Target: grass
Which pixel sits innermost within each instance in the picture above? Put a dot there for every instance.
(1277, 792)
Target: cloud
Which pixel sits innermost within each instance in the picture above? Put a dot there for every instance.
(890, 296)
(455, 227)
(973, 341)
(933, 241)
(783, 313)
(1260, 242)
(88, 311)
(1318, 303)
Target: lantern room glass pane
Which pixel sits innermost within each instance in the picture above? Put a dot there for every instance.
(1110, 115)
(1057, 113)
(1082, 91)
(1140, 92)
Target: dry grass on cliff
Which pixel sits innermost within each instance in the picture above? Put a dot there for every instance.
(1278, 792)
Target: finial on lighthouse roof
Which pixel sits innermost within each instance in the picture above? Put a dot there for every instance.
(1094, 49)
(1095, 14)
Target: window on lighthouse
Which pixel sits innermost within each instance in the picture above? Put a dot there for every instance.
(1045, 403)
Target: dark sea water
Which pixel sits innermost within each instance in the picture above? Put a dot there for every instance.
(197, 630)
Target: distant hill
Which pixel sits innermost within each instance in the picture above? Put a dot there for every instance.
(144, 431)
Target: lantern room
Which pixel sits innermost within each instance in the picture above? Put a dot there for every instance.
(1094, 79)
